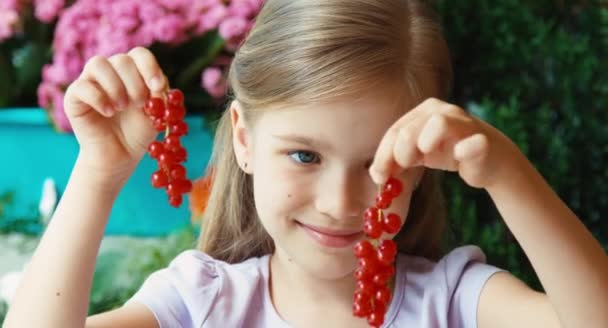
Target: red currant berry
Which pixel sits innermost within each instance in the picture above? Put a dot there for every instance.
(366, 286)
(173, 189)
(376, 318)
(385, 258)
(175, 97)
(369, 264)
(361, 296)
(166, 159)
(155, 149)
(362, 309)
(184, 186)
(179, 128)
(372, 228)
(371, 213)
(177, 172)
(175, 200)
(172, 142)
(159, 179)
(174, 113)
(389, 247)
(361, 274)
(383, 295)
(391, 223)
(381, 278)
(154, 107)
(393, 187)
(363, 248)
(159, 124)
(383, 200)
(180, 155)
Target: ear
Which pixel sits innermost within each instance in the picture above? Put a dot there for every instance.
(240, 137)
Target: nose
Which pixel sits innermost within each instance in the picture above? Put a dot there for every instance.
(340, 196)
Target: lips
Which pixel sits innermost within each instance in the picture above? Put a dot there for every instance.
(331, 237)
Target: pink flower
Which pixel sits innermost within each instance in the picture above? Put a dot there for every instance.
(44, 93)
(212, 18)
(244, 8)
(214, 82)
(15, 5)
(149, 12)
(170, 29)
(9, 23)
(47, 10)
(233, 27)
(96, 27)
(55, 73)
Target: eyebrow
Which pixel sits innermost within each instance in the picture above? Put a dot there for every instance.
(310, 142)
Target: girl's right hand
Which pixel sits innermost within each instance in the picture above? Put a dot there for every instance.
(105, 108)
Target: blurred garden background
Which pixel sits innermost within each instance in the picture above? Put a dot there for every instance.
(534, 69)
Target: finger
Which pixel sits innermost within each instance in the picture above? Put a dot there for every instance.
(385, 164)
(473, 154)
(99, 70)
(405, 152)
(471, 148)
(443, 130)
(83, 92)
(149, 69)
(133, 82)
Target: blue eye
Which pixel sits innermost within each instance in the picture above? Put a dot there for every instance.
(304, 157)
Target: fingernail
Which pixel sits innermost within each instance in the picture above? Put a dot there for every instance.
(376, 177)
(155, 83)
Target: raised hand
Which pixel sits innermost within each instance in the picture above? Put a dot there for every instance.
(440, 135)
(104, 106)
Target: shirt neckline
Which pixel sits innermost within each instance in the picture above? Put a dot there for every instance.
(390, 316)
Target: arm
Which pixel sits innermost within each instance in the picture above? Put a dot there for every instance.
(57, 281)
(104, 108)
(571, 264)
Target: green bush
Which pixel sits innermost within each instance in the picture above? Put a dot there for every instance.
(534, 70)
(119, 273)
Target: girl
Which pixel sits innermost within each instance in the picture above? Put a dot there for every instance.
(330, 98)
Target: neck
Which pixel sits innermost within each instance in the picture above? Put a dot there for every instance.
(293, 289)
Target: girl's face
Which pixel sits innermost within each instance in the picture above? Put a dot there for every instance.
(311, 181)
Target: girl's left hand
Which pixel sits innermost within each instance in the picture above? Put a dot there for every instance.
(443, 136)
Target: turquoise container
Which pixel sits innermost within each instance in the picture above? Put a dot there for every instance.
(32, 151)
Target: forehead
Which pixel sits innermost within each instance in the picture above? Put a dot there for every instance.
(345, 123)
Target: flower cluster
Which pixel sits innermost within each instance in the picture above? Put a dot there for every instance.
(13, 12)
(92, 27)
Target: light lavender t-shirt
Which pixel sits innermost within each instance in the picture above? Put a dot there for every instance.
(197, 291)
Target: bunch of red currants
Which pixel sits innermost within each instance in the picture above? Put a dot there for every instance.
(376, 257)
(167, 114)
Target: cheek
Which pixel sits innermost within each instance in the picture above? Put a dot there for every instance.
(278, 192)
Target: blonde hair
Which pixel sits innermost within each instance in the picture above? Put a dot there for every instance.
(314, 50)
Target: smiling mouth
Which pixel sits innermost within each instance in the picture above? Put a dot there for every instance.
(331, 238)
